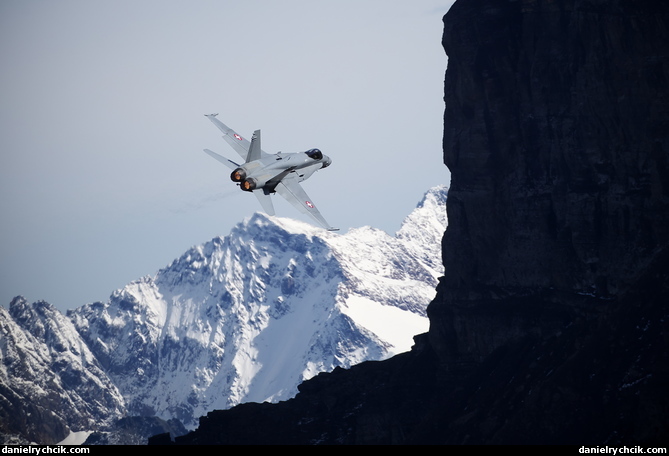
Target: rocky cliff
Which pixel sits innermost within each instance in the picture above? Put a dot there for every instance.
(551, 323)
(556, 136)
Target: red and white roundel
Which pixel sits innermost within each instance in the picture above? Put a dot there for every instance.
(237, 137)
(310, 204)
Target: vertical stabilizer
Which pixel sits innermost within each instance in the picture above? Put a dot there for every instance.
(254, 149)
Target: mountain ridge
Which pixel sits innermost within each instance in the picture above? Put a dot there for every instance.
(248, 316)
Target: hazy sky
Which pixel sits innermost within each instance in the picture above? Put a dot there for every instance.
(103, 178)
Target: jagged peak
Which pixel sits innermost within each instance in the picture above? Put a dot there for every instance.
(23, 311)
(259, 230)
(18, 299)
(436, 195)
(289, 225)
(432, 208)
(18, 302)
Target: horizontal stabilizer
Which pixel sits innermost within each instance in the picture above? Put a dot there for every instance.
(226, 161)
(265, 201)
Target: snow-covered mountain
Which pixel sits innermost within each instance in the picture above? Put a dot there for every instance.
(49, 379)
(248, 316)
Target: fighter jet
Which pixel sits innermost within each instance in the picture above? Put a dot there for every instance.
(263, 174)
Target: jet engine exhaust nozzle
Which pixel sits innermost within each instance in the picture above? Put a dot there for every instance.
(248, 185)
(238, 175)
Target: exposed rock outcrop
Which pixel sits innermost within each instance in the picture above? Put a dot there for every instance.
(550, 326)
(556, 134)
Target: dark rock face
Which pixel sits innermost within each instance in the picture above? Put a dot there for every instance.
(136, 430)
(550, 325)
(556, 136)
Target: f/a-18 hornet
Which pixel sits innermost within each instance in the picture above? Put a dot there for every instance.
(264, 174)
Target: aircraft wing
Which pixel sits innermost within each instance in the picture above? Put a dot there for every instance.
(239, 143)
(292, 191)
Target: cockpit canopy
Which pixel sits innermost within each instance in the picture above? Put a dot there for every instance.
(316, 154)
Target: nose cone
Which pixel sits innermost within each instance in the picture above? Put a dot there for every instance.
(326, 161)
